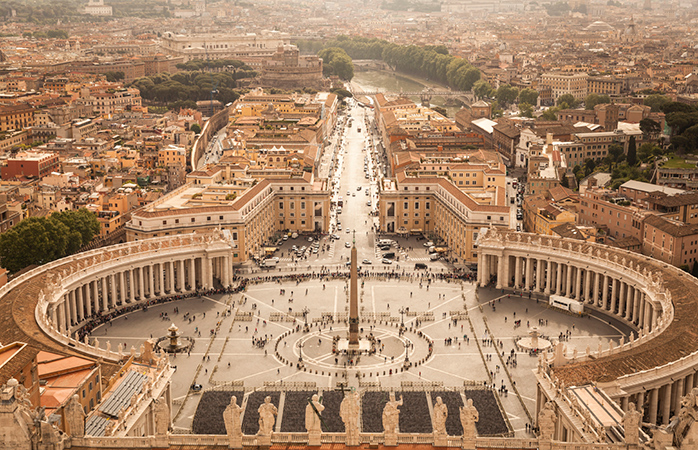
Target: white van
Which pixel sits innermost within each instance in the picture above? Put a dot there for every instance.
(270, 263)
(385, 242)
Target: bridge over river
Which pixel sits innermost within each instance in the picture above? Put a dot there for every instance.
(425, 95)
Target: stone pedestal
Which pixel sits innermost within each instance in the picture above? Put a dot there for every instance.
(352, 440)
(390, 439)
(264, 441)
(314, 438)
(235, 441)
(440, 440)
(468, 444)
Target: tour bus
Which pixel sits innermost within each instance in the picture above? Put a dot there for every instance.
(567, 304)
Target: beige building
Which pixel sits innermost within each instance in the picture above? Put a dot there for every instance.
(566, 83)
(411, 205)
(251, 215)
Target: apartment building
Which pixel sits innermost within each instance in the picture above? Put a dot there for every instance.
(16, 117)
(30, 164)
(566, 83)
(670, 241)
(605, 86)
(435, 206)
(604, 208)
(250, 215)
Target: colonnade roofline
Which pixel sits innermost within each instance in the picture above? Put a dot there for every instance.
(40, 291)
(668, 292)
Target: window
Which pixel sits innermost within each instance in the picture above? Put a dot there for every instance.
(193, 219)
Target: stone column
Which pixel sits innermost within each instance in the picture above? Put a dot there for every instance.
(639, 403)
(539, 275)
(112, 281)
(151, 281)
(647, 315)
(105, 295)
(132, 285)
(480, 269)
(122, 287)
(666, 404)
(595, 294)
(530, 282)
(171, 274)
(614, 296)
(61, 316)
(95, 295)
(621, 299)
(690, 379)
(507, 271)
(628, 302)
(604, 293)
(577, 283)
(141, 287)
(209, 272)
(73, 307)
(500, 271)
(81, 304)
(624, 403)
(161, 279)
(568, 282)
(226, 271)
(548, 276)
(654, 401)
(88, 299)
(636, 307)
(587, 285)
(517, 274)
(180, 276)
(678, 393)
(54, 315)
(192, 274)
(558, 279)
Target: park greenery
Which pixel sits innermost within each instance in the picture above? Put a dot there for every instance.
(184, 89)
(335, 61)
(48, 11)
(38, 240)
(407, 5)
(430, 62)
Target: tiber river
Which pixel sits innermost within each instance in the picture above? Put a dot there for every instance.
(377, 80)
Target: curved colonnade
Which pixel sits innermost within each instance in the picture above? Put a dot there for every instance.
(655, 366)
(68, 294)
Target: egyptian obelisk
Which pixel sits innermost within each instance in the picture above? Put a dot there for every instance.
(353, 300)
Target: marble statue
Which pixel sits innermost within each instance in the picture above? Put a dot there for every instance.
(546, 421)
(469, 416)
(74, 417)
(162, 417)
(391, 415)
(631, 425)
(313, 414)
(267, 416)
(233, 423)
(440, 416)
(349, 412)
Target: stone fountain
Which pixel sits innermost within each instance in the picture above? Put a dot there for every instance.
(173, 342)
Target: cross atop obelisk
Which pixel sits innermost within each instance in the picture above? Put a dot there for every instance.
(353, 300)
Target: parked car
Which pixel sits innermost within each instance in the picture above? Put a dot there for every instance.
(418, 266)
(347, 244)
(366, 261)
(387, 261)
(389, 255)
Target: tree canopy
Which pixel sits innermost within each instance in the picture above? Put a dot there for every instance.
(592, 100)
(567, 99)
(527, 95)
(656, 101)
(431, 62)
(38, 240)
(683, 120)
(335, 61)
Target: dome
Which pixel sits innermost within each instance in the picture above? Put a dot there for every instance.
(599, 26)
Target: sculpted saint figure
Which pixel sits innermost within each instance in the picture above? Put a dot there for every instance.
(267, 416)
(162, 417)
(231, 418)
(631, 424)
(312, 415)
(440, 415)
(391, 414)
(546, 421)
(75, 417)
(468, 418)
(349, 412)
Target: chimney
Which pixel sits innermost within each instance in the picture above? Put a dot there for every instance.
(549, 138)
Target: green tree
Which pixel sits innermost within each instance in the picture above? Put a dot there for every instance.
(592, 100)
(650, 128)
(632, 151)
(39, 240)
(506, 95)
(526, 110)
(527, 95)
(649, 151)
(336, 61)
(656, 101)
(567, 99)
(196, 128)
(615, 154)
(482, 88)
(550, 113)
(115, 76)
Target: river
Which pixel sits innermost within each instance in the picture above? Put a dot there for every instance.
(378, 80)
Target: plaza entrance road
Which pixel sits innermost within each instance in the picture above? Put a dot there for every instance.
(229, 354)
